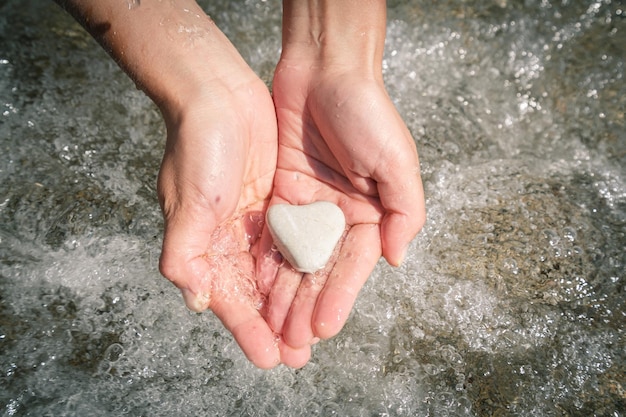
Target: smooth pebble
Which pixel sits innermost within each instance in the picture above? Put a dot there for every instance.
(306, 235)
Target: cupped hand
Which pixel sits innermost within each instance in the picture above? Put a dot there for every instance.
(214, 188)
(340, 140)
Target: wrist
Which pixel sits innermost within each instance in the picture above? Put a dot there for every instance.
(329, 35)
(172, 50)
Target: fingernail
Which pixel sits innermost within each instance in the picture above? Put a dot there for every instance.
(405, 251)
(194, 302)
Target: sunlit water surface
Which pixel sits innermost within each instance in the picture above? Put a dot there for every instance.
(511, 301)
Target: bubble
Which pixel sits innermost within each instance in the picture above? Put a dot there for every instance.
(113, 352)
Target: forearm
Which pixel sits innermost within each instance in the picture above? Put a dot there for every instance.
(168, 48)
(335, 33)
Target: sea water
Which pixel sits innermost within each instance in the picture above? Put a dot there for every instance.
(511, 301)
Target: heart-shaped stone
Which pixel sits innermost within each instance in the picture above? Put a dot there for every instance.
(306, 235)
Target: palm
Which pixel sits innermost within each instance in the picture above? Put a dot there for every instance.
(337, 140)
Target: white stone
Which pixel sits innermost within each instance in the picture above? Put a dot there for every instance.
(306, 235)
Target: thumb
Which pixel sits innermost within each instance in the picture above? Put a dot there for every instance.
(405, 214)
(182, 262)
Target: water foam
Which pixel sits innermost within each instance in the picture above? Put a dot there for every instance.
(510, 299)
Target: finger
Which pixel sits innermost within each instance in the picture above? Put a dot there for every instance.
(281, 297)
(254, 337)
(297, 330)
(294, 358)
(276, 280)
(268, 260)
(181, 261)
(358, 257)
(404, 218)
(402, 195)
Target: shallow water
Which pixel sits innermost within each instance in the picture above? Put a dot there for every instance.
(511, 302)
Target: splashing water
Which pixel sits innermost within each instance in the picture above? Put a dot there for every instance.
(511, 301)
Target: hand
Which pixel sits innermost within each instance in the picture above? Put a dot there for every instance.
(340, 140)
(214, 188)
